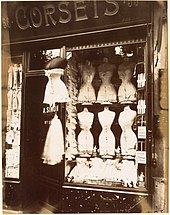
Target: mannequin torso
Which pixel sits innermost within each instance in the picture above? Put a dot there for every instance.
(106, 137)
(107, 91)
(127, 91)
(128, 139)
(87, 93)
(85, 137)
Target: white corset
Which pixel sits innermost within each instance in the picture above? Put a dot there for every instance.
(107, 92)
(56, 91)
(87, 92)
(85, 137)
(126, 92)
(128, 139)
(106, 137)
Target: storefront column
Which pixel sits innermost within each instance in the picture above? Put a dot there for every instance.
(159, 200)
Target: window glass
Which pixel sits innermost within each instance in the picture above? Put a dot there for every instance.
(106, 117)
(39, 58)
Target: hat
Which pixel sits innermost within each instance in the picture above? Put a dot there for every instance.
(57, 62)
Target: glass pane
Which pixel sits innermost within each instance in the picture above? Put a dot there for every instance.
(106, 122)
(39, 58)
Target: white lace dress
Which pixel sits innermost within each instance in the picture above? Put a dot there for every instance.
(54, 144)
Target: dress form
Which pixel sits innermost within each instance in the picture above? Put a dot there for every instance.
(128, 139)
(87, 92)
(56, 90)
(107, 91)
(106, 137)
(127, 91)
(85, 137)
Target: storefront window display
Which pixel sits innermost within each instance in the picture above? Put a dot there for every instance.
(105, 113)
(106, 117)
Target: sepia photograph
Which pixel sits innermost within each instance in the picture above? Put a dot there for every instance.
(84, 107)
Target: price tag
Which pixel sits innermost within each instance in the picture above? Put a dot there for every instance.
(141, 157)
(142, 132)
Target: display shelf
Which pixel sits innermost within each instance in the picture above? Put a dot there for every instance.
(107, 140)
(120, 157)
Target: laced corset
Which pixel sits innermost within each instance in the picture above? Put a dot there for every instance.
(127, 91)
(128, 138)
(85, 137)
(88, 75)
(107, 91)
(87, 93)
(56, 90)
(106, 137)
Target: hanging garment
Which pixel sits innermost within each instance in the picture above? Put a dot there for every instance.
(54, 144)
(10, 77)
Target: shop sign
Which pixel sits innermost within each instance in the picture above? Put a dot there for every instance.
(43, 19)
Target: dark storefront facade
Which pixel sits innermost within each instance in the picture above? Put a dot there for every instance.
(109, 150)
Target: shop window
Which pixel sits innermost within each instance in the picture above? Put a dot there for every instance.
(13, 118)
(106, 120)
(39, 58)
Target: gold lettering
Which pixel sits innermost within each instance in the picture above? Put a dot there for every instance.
(21, 12)
(48, 11)
(115, 8)
(33, 14)
(64, 20)
(80, 7)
